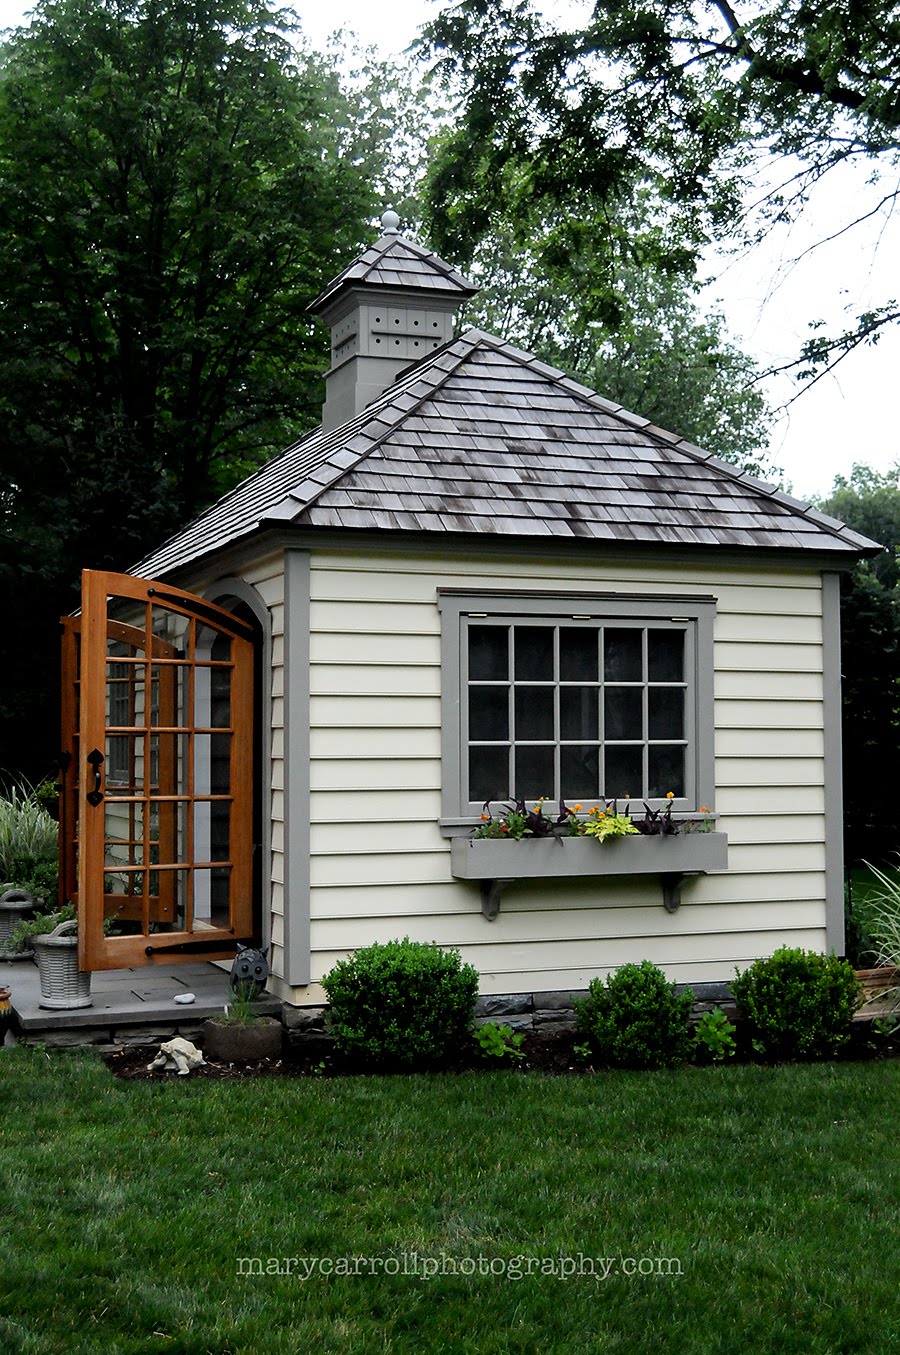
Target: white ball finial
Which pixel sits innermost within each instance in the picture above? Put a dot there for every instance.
(390, 222)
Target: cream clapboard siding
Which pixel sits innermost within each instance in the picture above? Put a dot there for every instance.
(380, 867)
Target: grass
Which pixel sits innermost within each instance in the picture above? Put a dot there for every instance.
(126, 1206)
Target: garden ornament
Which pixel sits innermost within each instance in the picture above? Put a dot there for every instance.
(249, 971)
(178, 1054)
(6, 1014)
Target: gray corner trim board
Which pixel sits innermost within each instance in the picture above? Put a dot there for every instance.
(234, 587)
(296, 768)
(834, 799)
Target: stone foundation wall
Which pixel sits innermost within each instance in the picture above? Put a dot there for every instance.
(520, 1011)
(307, 1033)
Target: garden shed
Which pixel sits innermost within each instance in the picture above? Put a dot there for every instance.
(477, 579)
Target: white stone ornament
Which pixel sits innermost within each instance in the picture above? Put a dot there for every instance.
(185, 998)
(390, 222)
(178, 1054)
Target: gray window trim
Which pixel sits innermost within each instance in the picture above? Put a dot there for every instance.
(455, 605)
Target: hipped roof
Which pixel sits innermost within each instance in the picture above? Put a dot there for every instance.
(395, 262)
(483, 439)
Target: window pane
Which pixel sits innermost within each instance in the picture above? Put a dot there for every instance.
(579, 773)
(489, 774)
(665, 712)
(578, 708)
(489, 713)
(623, 709)
(623, 773)
(622, 655)
(489, 653)
(534, 772)
(534, 653)
(665, 655)
(534, 713)
(170, 694)
(578, 654)
(220, 697)
(666, 771)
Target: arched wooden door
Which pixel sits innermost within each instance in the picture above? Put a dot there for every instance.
(158, 774)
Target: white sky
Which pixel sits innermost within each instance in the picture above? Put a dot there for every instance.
(848, 415)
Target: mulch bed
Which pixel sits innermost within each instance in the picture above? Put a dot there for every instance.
(549, 1052)
(545, 1051)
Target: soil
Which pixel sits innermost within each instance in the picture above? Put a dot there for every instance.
(548, 1052)
(545, 1051)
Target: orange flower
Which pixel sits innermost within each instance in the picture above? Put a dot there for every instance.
(670, 795)
(577, 807)
(485, 818)
(703, 809)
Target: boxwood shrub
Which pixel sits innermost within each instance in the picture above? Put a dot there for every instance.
(798, 1004)
(403, 1004)
(636, 1019)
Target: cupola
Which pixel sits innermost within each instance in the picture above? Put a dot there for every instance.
(392, 306)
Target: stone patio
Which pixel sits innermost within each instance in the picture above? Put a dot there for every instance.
(130, 1006)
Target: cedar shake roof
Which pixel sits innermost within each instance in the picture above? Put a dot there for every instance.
(396, 262)
(481, 438)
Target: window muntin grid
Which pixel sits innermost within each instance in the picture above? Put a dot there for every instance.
(581, 709)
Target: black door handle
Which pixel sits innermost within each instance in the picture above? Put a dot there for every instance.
(95, 758)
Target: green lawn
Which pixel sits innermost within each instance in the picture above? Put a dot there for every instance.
(773, 1191)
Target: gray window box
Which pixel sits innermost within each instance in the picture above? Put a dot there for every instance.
(496, 863)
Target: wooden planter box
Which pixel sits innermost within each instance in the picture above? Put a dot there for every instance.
(878, 998)
(229, 1042)
(497, 863)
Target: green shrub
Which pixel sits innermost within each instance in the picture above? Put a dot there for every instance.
(884, 924)
(37, 874)
(713, 1037)
(498, 1043)
(636, 1019)
(799, 1004)
(26, 830)
(405, 1004)
(41, 925)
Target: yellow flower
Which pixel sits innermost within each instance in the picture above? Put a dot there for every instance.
(577, 807)
(670, 795)
(602, 814)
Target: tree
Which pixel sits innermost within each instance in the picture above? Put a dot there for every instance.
(869, 502)
(177, 181)
(651, 351)
(672, 97)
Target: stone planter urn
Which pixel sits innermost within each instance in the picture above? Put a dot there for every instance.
(63, 984)
(15, 906)
(242, 1042)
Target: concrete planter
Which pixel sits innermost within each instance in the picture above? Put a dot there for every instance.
(230, 1042)
(63, 984)
(15, 906)
(496, 863)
